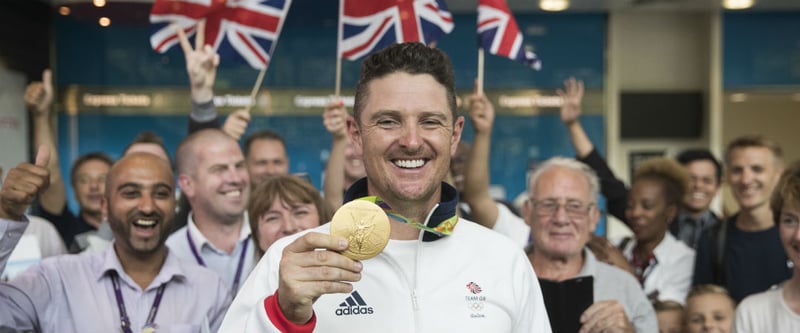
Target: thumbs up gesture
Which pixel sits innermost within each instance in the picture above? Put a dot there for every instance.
(22, 185)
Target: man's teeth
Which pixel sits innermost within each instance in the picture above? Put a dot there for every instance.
(698, 195)
(144, 223)
(233, 194)
(409, 164)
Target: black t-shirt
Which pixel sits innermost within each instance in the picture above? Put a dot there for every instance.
(67, 224)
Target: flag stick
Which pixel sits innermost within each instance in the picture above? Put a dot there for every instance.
(255, 88)
(479, 82)
(338, 89)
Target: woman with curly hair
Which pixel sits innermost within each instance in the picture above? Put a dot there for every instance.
(661, 263)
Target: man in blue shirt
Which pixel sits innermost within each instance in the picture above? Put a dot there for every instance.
(136, 284)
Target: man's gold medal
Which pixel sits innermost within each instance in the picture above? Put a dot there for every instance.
(364, 225)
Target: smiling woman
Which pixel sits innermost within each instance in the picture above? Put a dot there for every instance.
(663, 264)
(281, 206)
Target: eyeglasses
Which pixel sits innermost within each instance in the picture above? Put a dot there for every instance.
(574, 209)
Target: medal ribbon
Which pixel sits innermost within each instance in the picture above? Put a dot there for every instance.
(125, 322)
(239, 266)
(443, 229)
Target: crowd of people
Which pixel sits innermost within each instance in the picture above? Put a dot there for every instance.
(245, 245)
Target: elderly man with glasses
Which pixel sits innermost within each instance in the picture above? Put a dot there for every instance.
(562, 214)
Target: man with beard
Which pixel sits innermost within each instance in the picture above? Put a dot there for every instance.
(114, 289)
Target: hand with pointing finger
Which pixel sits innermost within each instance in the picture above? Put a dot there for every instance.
(22, 184)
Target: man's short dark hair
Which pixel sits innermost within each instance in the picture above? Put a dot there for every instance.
(691, 155)
(262, 135)
(93, 156)
(147, 137)
(411, 58)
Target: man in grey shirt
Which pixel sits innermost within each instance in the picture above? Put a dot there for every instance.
(562, 212)
(134, 285)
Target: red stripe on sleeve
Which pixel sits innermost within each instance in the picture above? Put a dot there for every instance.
(277, 318)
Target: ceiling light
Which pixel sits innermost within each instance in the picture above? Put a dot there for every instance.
(553, 5)
(104, 21)
(99, 3)
(63, 10)
(737, 4)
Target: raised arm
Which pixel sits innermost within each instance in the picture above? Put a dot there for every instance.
(572, 96)
(612, 188)
(18, 192)
(476, 175)
(335, 120)
(39, 101)
(201, 65)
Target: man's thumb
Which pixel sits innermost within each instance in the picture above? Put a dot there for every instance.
(43, 155)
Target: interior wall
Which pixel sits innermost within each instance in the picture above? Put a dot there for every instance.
(657, 52)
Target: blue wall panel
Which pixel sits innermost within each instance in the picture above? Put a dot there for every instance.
(761, 50)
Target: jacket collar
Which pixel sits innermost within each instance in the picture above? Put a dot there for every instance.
(446, 208)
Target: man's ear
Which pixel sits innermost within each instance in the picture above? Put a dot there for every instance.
(594, 218)
(458, 127)
(354, 134)
(186, 183)
(104, 208)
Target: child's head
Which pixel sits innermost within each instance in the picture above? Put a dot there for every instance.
(709, 308)
(670, 316)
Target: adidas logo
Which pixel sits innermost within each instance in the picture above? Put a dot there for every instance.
(353, 305)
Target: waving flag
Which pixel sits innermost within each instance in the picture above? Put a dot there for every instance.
(370, 25)
(499, 34)
(249, 28)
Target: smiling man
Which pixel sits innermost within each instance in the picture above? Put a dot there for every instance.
(744, 253)
(213, 177)
(110, 290)
(437, 273)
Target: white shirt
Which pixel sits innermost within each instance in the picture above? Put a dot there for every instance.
(225, 264)
(766, 312)
(671, 275)
(511, 226)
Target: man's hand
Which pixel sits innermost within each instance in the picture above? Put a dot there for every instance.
(39, 95)
(606, 317)
(310, 267)
(201, 64)
(572, 96)
(22, 185)
(335, 119)
(481, 112)
(236, 124)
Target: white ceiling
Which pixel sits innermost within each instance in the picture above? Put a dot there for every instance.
(585, 5)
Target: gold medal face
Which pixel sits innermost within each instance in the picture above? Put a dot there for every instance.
(364, 225)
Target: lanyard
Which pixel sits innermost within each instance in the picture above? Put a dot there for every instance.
(239, 267)
(123, 315)
(443, 229)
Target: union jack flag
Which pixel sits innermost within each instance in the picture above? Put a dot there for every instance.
(499, 34)
(249, 28)
(370, 25)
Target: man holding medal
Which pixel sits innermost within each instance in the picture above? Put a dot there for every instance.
(437, 273)
(136, 284)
